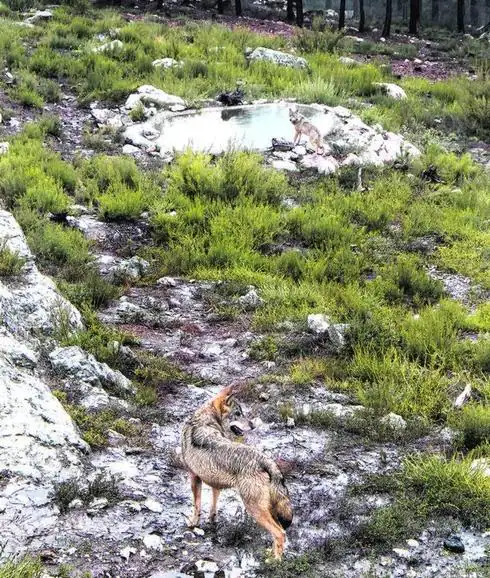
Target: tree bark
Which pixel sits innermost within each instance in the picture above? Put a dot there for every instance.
(238, 7)
(299, 13)
(474, 13)
(387, 24)
(220, 7)
(413, 26)
(342, 15)
(461, 16)
(435, 12)
(362, 16)
(290, 11)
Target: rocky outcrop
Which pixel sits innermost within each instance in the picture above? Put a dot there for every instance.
(77, 364)
(31, 304)
(148, 94)
(39, 443)
(261, 54)
(392, 90)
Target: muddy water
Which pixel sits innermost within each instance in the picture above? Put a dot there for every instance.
(217, 129)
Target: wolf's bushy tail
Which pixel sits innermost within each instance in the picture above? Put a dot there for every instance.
(281, 508)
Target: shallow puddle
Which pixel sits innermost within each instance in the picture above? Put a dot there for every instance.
(217, 129)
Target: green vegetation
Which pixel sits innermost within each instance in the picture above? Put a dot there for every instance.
(24, 568)
(102, 486)
(11, 263)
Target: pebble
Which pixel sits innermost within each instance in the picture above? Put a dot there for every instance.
(454, 544)
(153, 506)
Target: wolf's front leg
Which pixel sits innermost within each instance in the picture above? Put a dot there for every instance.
(297, 136)
(196, 485)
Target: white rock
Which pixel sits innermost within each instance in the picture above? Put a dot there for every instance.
(277, 57)
(347, 61)
(198, 531)
(211, 351)
(318, 323)
(39, 16)
(127, 552)
(166, 63)
(402, 553)
(481, 465)
(290, 422)
(284, 165)
(4, 148)
(107, 117)
(463, 397)
(392, 90)
(75, 504)
(207, 566)
(336, 334)
(153, 542)
(75, 363)
(98, 504)
(394, 421)
(250, 300)
(112, 46)
(153, 505)
(413, 543)
(133, 268)
(34, 305)
(148, 94)
(130, 150)
(167, 282)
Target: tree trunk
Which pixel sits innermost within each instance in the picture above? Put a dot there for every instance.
(413, 26)
(299, 13)
(474, 13)
(238, 7)
(220, 6)
(362, 16)
(387, 24)
(342, 14)
(290, 11)
(461, 16)
(435, 12)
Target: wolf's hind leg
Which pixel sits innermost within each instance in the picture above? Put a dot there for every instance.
(262, 515)
(214, 504)
(196, 485)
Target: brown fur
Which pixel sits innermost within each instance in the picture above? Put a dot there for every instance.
(303, 126)
(213, 458)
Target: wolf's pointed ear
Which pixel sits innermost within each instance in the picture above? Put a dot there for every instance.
(223, 396)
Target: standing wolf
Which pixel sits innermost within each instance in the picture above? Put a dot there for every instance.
(303, 126)
(211, 457)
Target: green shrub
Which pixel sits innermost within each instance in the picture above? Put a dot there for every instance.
(407, 280)
(93, 292)
(266, 349)
(44, 195)
(318, 39)
(474, 424)
(11, 263)
(449, 487)
(21, 568)
(121, 203)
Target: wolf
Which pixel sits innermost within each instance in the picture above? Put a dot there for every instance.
(303, 126)
(212, 457)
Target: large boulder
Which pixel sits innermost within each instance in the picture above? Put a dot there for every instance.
(31, 304)
(75, 363)
(392, 90)
(262, 54)
(148, 94)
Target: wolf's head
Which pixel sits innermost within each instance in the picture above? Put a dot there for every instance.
(294, 116)
(227, 407)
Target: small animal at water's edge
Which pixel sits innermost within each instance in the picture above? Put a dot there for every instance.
(305, 127)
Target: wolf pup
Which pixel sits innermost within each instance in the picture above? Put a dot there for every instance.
(303, 126)
(213, 458)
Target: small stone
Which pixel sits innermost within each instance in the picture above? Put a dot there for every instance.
(318, 323)
(129, 149)
(290, 422)
(250, 300)
(75, 504)
(481, 465)
(402, 553)
(166, 63)
(394, 422)
(454, 544)
(412, 543)
(153, 542)
(392, 90)
(167, 282)
(4, 148)
(153, 506)
(127, 552)
(99, 504)
(109, 46)
(198, 531)
(133, 506)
